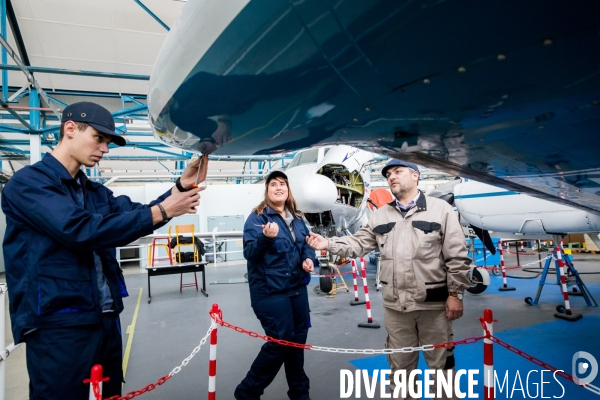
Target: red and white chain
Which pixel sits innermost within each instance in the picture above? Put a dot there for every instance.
(195, 351)
(333, 275)
(218, 319)
(544, 365)
(163, 379)
(522, 266)
(522, 253)
(427, 347)
(536, 361)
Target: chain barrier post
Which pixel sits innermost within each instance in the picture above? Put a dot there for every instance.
(567, 315)
(488, 355)
(370, 322)
(356, 301)
(579, 288)
(212, 363)
(505, 286)
(570, 267)
(95, 382)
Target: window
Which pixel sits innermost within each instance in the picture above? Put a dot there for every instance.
(306, 157)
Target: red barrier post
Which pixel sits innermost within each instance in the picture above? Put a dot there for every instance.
(488, 356)
(212, 363)
(567, 315)
(356, 301)
(370, 322)
(95, 382)
(505, 286)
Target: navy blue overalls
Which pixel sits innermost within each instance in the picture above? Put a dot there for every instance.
(280, 301)
(49, 245)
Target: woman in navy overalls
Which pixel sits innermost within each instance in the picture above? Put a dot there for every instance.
(279, 266)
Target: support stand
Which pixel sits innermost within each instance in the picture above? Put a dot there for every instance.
(583, 290)
(339, 275)
(563, 312)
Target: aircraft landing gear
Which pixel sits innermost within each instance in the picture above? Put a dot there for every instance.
(480, 279)
(325, 284)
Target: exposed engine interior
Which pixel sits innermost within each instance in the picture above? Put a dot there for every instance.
(350, 185)
(321, 223)
(350, 192)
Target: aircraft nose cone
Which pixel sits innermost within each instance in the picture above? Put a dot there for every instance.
(314, 193)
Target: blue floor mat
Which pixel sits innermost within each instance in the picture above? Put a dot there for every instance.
(551, 342)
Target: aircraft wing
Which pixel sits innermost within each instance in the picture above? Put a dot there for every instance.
(505, 92)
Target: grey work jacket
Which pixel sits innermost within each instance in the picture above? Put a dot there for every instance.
(423, 255)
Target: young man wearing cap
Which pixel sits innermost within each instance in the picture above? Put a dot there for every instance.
(66, 286)
(424, 267)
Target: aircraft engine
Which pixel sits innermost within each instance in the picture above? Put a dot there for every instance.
(314, 193)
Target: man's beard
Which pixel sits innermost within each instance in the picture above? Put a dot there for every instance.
(401, 191)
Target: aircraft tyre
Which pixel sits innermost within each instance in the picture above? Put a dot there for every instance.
(477, 283)
(528, 300)
(325, 284)
(560, 308)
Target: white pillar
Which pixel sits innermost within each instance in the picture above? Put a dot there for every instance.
(35, 148)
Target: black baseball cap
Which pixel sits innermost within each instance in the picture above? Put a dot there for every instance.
(96, 116)
(398, 163)
(275, 174)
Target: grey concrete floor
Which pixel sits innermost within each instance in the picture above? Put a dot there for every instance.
(171, 326)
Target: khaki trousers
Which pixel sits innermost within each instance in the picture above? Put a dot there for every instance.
(417, 328)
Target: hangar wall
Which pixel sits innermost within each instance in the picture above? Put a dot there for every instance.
(217, 200)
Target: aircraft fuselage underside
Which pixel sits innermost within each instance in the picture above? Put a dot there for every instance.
(503, 92)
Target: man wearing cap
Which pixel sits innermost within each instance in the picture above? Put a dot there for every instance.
(424, 268)
(66, 286)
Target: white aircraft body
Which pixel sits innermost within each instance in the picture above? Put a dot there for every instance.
(509, 214)
(331, 186)
(495, 209)
(508, 95)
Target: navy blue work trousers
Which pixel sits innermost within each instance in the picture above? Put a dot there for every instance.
(59, 359)
(284, 318)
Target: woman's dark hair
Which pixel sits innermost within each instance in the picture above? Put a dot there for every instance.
(290, 203)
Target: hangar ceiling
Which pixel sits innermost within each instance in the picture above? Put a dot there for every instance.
(117, 36)
(100, 51)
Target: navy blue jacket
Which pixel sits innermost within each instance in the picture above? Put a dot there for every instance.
(49, 244)
(275, 265)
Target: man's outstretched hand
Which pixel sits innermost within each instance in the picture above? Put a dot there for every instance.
(317, 242)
